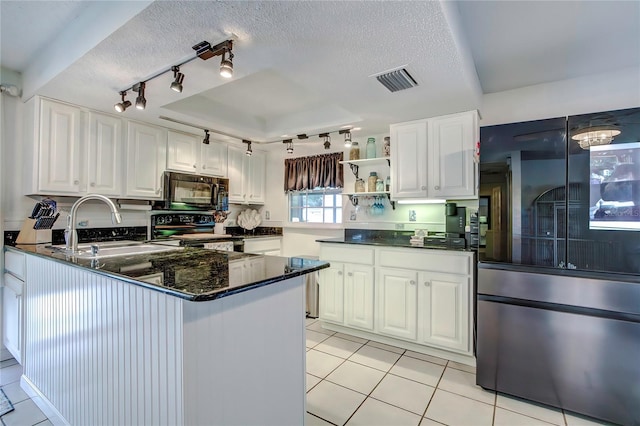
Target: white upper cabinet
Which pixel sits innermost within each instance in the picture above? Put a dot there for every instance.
(53, 147)
(409, 160)
(146, 160)
(247, 176)
(433, 158)
(183, 152)
(451, 169)
(106, 156)
(213, 159)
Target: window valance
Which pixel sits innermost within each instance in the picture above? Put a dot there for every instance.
(316, 171)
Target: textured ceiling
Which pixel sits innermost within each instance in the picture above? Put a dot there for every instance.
(306, 66)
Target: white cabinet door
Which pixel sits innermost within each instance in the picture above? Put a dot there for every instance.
(59, 165)
(183, 152)
(256, 177)
(12, 316)
(105, 165)
(409, 160)
(452, 140)
(331, 293)
(397, 299)
(358, 296)
(444, 310)
(146, 160)
(214, 159)
(235, 170)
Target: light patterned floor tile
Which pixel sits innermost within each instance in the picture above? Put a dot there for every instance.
(311, 420)
(404, 393)
(321, 364)
(377, 413)
(575, 419)
(425, 357)
(357, 377)
(45, 423)
(311, 381)
(314, 338)
(456, 410)
(352, 338)
(428, 422)
(317, 327)
(309, 321)
(531, 409)
(386, 347)
(418, 370)
(509, 418)
(374, 357)
(463, 367)
(338, 347)
(14, 392)
(8, 363)
(464, 384)
(332, 402)
(24, 413)
(10, 374)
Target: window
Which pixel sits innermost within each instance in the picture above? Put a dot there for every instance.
(315, 206)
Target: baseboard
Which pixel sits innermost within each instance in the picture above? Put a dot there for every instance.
(427, 350)
(42, 402)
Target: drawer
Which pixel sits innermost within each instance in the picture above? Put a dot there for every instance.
(347, 254)
(255, 245)
(426, 260)
(14, 262)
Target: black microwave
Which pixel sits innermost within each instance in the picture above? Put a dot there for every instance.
(184, 191)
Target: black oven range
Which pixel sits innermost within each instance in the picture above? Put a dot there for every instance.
(194, 229)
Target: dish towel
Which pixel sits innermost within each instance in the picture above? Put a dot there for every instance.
(5, 405)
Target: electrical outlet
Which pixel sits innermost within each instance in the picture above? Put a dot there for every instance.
(231, 223)
(399, 225)
(267, 214)
(412, 215)
(353, 215)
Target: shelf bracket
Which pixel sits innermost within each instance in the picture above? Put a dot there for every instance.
(389, 162)
(353, 199)
(354, 169)
(393, 203)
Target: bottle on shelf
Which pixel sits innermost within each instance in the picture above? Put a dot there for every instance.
(386, 148)
(371, 182)
(371, 148)
(379, 185)
(388, 184)
(359, 185)
(354, 152)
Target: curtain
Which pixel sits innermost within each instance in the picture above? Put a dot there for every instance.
(316, 171)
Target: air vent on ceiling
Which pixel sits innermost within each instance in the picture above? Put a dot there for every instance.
(396, 80)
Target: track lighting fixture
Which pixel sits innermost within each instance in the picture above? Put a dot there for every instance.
(327, 140)
(178, 78)
(141, 101)
(226, 65)
(347, 137)
(206, 137)
(122, 106)
(303, 136)
(248, 151)
(289, 143)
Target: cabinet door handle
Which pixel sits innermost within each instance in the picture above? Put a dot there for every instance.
(194, 166)
(423, 188)
(204, 166)
(436, 187)
(350, 274)
(339, 272)
(427, 283)
(157, 191)
(76, 182)
(93, 184)
(412, 282)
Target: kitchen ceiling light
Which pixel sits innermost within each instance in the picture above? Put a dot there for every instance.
(178, 78)
(226, 65)
(347, 137)
(141, 101)
(122, 106)
(593, 136)
(289, 143)
(249, 151)
(206, 140)
(327, 140)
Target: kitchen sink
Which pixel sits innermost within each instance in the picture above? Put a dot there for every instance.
(117, 248)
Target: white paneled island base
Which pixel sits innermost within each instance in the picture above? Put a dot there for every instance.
(104, 351)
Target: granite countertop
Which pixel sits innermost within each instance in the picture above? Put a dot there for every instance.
(194, 274)
(391, 242)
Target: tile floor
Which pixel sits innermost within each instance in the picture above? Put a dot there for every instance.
(354, 381)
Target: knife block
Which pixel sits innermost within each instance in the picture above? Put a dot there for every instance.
(28, 235)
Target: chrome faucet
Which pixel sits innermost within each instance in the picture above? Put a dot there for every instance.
(71, 236)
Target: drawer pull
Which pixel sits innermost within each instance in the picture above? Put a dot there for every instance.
(339, 272)
(412, 282)
(350, 274)
(427, 283)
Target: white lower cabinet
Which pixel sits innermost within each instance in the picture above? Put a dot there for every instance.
(397, 302)
(421, 297)
(13, 304)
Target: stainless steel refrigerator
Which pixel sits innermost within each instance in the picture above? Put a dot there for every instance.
(558, 296)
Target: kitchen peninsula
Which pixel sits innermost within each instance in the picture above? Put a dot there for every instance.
(189, 336)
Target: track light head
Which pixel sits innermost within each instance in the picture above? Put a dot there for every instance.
(249, 151)
(141, 101)
(226, 65)
(122, 106)
(327, 140)
(178, 78)
(347, 140)
(206, 137)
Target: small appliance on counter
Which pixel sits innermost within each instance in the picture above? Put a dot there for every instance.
(455, 222)
(194, 229)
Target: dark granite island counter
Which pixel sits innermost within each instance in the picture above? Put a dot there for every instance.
(191, 336)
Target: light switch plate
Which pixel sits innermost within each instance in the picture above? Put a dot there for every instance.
(412, 215)
(267, 215)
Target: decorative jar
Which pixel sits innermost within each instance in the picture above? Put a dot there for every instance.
(386, 148)
(371, 148)
(371, 182)
(354, 152)
(359, 185)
